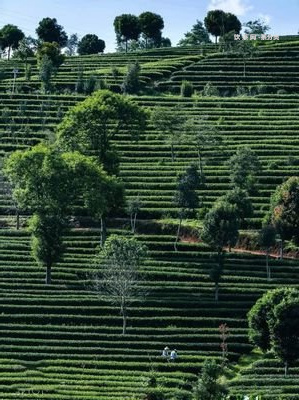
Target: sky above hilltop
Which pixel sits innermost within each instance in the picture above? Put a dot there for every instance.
(97, 16)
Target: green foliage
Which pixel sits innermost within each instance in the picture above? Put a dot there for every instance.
(52, 51)
(40, 179)
(284, 328)
(80, 82)
(133, 208)
(186, 197)
(197, 36)
(49, 31)
(201, 134)
(187, 89)
(91, 44)
(220, 227)
(217, 22)
(267, 236)
(72, 45)
(10, 37)
(284, 209)
(91, 126)
(90, 85)
(257, 26)
(131, 82)
(127, 27)
(260, 315)
(24, 50)
(151, 26)
(46, 240)
(170, 124)
(46, 71)
(118, 276)
(239, 199)
(244, 165)
(207, 387)
(210, 90)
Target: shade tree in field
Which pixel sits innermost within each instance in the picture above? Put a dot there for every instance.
(90, 127)
(186, 198)
(169, 124)
(257, 27)
(217, 23)
(72, 45)
(246, 49)
(151, 26)
(267, 239)
(10, 37)
(49, 30)
(7, 190)
(197, 36)
(240, 200)
(201, 134)
(131, 83)
(244, 167)
(91, 44)
(208, 386)
(118, 273)
(284, 210)
(273, 324)
(127, 27)
(25, 50)
(220, 229)
(49, 59)
(133, 207)
(48, 183)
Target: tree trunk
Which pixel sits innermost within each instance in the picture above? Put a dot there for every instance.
(244, 68)
(124, 314)
(48, 275)
(281, 249)
(216, 39)
(172, 153)
(267, 265)
(103, 231)
(286, 368)
(126, 45)
(200, 163)
(8, 53)
(216, 291)
(177, 235)
(17, 219)
(134, 223)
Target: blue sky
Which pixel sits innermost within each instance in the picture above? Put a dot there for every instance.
(96, 16)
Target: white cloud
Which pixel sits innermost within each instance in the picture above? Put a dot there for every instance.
(237, 7)
(265, 17)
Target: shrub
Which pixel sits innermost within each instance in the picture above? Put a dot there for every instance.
(187, 89)
(210, 90)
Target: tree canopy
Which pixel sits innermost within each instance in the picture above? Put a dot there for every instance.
(90, 126)
(91, 44)
(257, 26)
(151, 26)
(198, 35)
(217, 22)
(10, 37)
(284, 209)
(244, 166)
(118, 274)
(273, 324)
(48, 30)
(127, 27)
(48, 183)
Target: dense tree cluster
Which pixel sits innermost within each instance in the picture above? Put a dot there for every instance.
(273, 324)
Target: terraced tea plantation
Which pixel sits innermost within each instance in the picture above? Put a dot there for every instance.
(63, 341)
